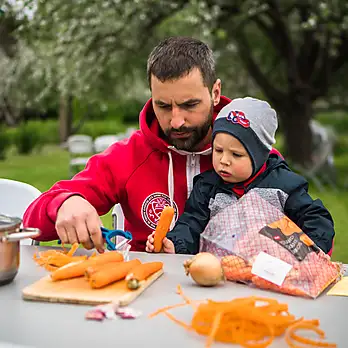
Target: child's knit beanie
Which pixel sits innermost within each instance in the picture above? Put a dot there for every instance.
(253, 122)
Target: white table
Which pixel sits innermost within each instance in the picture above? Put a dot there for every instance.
(49, 325)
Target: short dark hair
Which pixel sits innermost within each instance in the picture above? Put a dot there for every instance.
(175, 57)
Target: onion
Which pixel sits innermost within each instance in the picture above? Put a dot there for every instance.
(205, 269)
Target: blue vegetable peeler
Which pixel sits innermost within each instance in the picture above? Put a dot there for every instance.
(109, 234)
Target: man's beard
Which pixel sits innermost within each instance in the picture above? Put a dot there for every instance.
(197, 134)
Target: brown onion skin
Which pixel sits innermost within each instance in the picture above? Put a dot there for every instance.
(205, 269)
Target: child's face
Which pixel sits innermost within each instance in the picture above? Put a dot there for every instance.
(231, 160)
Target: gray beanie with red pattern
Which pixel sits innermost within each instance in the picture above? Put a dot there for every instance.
(253, 122)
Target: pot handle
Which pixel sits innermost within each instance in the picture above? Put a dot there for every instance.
(23, 233)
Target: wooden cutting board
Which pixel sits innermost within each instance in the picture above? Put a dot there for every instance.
(78, 291)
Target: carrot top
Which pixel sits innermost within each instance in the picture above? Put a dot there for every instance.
(141, 272)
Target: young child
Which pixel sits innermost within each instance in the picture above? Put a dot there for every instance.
(243, 135)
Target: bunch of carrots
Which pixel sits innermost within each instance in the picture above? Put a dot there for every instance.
(251, 322)
(104, 269)
(99, 270)
(53, 259)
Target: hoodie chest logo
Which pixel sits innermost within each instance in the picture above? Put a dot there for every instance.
(152, 207)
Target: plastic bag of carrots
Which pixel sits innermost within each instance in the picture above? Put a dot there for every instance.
(261, 227)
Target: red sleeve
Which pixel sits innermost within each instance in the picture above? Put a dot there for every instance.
(99, 183)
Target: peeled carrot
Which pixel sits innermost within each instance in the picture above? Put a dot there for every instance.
(78, 269)
(95, 268)
(51, 268)
(162, 227)
(112, 273)
(141, 272)
(60, 260)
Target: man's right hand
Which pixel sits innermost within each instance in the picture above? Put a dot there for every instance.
(78, 222)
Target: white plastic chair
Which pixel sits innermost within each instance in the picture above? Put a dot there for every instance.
(130, 131)
(117, 221)
(125, 135)
(15, 197)
(80, 147)
(102, 142)
(117, 217)
(322, 168)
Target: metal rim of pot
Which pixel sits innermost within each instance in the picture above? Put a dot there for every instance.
(10, 230)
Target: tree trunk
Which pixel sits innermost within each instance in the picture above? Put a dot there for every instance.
(65, 118)
(10, 115)
(298, 136)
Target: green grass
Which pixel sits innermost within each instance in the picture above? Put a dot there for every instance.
(43, 168)
(40, 169)
(48, 163)
(337, 204)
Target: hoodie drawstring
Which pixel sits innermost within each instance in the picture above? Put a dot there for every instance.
(171, 185)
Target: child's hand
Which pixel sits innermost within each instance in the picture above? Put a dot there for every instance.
(167, 247)
(149, 243)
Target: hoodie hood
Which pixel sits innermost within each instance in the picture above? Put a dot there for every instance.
(149, 125)
(150, 128)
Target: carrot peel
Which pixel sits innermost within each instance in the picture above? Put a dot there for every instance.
(53, 259)
(251, 322)
(311, 325)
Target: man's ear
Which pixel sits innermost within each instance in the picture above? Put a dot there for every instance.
(216, 92)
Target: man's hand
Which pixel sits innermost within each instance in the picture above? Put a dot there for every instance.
(167, 246)
(79, 222)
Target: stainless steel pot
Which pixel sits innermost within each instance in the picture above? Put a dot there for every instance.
(10, 236)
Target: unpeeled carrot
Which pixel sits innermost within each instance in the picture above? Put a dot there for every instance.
(162, 227)
(141, 272)
(112, 273)
(236, 268)
(78, 269)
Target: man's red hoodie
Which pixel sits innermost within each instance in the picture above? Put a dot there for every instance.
(142, 173)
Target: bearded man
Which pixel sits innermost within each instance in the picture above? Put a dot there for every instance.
(155, 167)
